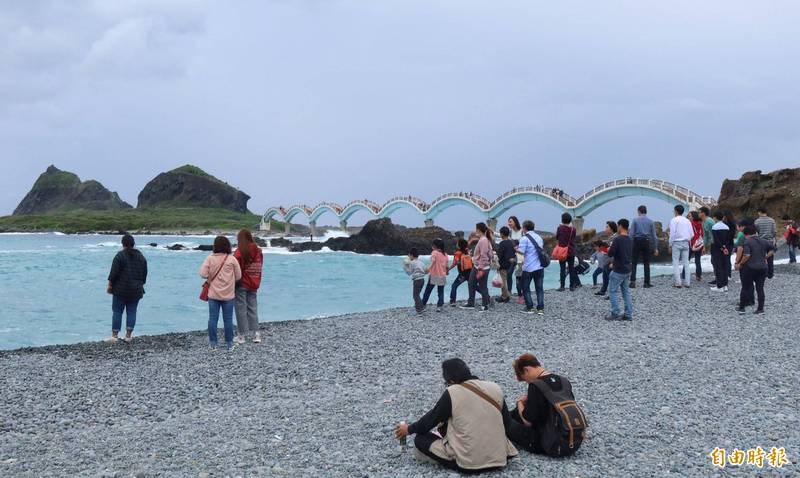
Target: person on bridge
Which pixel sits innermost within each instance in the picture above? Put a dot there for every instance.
(437, 274)
(565, 235)
(645, 243)
(482, 260)
(680, 233)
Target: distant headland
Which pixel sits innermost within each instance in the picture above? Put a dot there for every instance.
(186, 199)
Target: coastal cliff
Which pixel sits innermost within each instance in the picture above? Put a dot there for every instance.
(778, 192)
(190, 186)
(57, 191)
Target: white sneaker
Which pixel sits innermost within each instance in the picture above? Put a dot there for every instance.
(257, 338)
(111, 340)
(239, 339)
(719, 289)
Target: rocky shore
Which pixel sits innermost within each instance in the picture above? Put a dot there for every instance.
(319, 397)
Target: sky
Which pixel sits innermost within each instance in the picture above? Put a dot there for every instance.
(309, 101)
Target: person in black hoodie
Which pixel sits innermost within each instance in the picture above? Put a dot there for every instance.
(507, 257)
(126, 284)
(720, 252)
(528, 420)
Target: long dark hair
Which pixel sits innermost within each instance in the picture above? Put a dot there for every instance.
(514, 219)
(463, 245)
(485, 230)
(245, 239)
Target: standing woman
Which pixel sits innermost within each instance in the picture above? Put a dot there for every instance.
(516, 235)
(696, 245)
(221, 271)
(251, 261)
(126, 284)
(462, 262)
(482, 260)
(565, 235)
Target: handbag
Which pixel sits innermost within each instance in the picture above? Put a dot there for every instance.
(561, 253)
(207, 283)
(544, 259)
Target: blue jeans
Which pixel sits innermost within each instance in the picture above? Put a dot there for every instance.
(596, 273)
(118, 305)
(510, 276)
(792, 254)
(537, 277)
(439, 292)
(460, 279)
(617, 281)
(227, 320)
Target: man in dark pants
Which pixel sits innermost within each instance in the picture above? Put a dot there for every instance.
(645, 242)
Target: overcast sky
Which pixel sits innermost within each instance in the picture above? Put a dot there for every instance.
(308, 101)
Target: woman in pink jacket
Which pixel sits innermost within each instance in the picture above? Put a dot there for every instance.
(221, 271)
(437, 274)
(482, 260)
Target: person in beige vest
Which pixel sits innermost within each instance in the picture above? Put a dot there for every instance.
(472, 419)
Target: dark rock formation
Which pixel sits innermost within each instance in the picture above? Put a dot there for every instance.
(57, 190)
(585, 249)
(204, 247)
(190, 186)
(280, 242)
(259, 241)
(778, 192)
(153, 244)
(177, 247)
(380, 236)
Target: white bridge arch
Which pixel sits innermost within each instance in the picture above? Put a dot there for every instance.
(579, 207)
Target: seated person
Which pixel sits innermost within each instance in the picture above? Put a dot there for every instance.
(475, 416)
(533, 424)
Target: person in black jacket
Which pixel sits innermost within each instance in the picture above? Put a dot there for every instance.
(507, 257)
(126, 284)
(720, 252)
(529, 417)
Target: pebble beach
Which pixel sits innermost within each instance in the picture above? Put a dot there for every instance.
(319, 398)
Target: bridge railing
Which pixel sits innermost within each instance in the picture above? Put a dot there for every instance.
(476, 199)
(563, 197)
(417, 202)
(332, 205)
(374, 207)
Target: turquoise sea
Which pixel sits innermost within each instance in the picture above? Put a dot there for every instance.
(52, 286)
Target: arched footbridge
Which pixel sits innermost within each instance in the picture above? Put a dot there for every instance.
(578, 207)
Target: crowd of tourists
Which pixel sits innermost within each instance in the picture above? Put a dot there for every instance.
(518, 256)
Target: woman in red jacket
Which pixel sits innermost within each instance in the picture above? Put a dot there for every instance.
(250, 259)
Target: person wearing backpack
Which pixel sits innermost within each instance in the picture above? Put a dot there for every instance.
(126, 282)
(462, 262)
(473, 411)
(546, 420)
(530, 246)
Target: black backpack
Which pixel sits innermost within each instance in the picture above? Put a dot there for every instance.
(544, 259)
(565, 424)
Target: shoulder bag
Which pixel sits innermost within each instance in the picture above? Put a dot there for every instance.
(206, 284)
